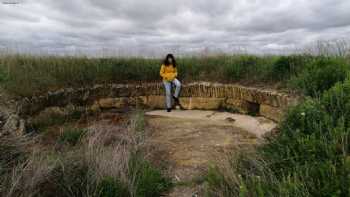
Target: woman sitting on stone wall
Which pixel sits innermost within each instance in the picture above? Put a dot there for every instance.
(168, 72)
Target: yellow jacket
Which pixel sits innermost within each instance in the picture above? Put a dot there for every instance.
(168, 73)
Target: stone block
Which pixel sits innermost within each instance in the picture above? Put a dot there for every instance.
(201, 103)
(107, 103)
(154, 102)
(236, 105)
(270, 112)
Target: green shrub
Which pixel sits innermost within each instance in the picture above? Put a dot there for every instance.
(308, 157)
(43, 121)
(320, 75)
(3, 75)
(312, 147)
(245, 68)
(219, 185)
(111, 187)
(249, 175)
(305, 135)
(149, 181)
(305, 118)
(55, 116)
(72, 178)
(71, 135)
(337, 102)
(288, 66)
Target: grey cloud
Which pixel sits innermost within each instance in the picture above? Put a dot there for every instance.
(152, 27)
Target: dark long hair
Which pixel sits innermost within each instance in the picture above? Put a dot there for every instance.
(166, 61)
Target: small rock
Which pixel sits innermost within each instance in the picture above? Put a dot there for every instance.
(230, 119)
(14, 125)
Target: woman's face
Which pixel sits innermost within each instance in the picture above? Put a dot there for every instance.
(170, 60)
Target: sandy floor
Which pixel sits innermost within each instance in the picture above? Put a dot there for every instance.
(255, 125)
(189, 140)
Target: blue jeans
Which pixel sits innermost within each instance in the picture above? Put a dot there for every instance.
(167, 85)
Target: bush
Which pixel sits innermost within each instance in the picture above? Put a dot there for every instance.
(247, 174)
(308, 157)
(73, 177)
(320, 75)
(111, 187)
(3, 75)
(313, 144)
(305, 118)
(55, 116)
(71, 135)
(337, 102)
(287, 66)
(42, 121)
(149, 181)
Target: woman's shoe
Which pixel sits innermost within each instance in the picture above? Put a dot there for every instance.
(177, 102)
(168, 109)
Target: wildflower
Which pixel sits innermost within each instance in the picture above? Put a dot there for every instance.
(302, 113)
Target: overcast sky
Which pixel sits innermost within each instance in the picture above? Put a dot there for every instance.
(154, 27)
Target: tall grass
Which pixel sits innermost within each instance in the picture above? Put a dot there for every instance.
(25, 75)
(13, 151)
(320, 75)
(106, 161)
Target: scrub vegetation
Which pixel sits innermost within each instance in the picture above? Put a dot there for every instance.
(24, 75)
(308, 156)
(101, 161)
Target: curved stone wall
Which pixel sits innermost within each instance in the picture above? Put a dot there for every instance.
(206, 96)
(268, 103)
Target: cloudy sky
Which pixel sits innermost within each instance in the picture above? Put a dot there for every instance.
(153, 27)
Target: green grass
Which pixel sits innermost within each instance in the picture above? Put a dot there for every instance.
(71, 136)
(149, 180)
(320, 75)
(54, 117)
(111, 187)
(310, 155)
(24, 75)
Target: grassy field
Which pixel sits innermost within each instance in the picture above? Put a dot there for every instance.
(308, 156)
(27, 75)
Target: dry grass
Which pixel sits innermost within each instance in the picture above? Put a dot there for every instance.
(107, 161)
(238, 172)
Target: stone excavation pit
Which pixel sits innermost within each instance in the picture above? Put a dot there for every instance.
(217, 119)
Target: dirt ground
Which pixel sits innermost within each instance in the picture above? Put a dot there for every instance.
(188, 141)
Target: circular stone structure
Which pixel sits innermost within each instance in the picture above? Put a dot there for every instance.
(186, 139)
(270, 104)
